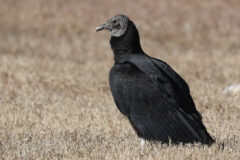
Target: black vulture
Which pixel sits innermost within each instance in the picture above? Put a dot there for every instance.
(154, 98)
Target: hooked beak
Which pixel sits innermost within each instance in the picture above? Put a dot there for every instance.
(103, 26)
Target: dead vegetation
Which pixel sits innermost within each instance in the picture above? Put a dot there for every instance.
(55, 100)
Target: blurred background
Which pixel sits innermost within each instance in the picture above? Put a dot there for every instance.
(54, 94)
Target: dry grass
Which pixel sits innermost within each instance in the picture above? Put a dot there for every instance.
(55, 100)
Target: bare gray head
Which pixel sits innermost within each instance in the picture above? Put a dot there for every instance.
(116, 25)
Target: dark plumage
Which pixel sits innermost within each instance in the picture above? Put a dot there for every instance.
(149, 92)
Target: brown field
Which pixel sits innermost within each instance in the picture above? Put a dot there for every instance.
(55, 101)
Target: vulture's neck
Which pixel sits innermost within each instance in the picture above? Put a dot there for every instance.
(126, 45)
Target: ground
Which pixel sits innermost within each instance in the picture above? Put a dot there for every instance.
(55, 101)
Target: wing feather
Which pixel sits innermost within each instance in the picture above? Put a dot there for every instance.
(160, 105)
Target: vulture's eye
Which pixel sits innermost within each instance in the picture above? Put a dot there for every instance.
(114, 21)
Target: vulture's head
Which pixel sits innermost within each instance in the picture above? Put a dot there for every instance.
(117, 25)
